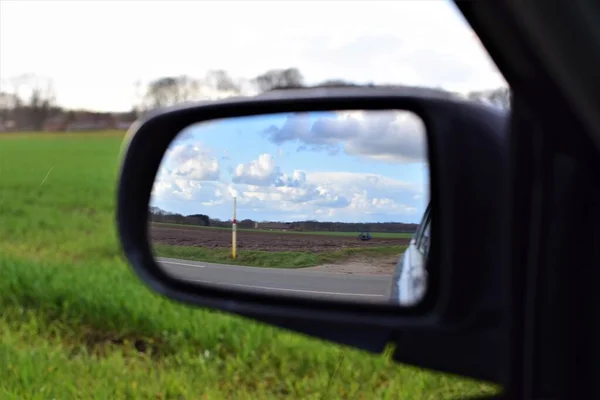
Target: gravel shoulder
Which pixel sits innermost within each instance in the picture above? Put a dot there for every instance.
(384, 265)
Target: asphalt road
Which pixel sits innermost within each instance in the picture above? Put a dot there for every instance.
(295, 282)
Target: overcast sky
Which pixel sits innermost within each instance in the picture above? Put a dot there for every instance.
(335, 166)
(95, 51)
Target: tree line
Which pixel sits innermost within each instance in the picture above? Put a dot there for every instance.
(167, 91)
(28, 102)
(158, 215)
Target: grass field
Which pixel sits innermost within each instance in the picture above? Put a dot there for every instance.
(77, 324)
(280, 259)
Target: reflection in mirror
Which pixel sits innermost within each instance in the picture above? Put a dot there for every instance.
(329, 205)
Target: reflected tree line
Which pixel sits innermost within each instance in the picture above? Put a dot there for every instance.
(158, 215)
(29, 102)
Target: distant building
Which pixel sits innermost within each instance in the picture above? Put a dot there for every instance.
(87, 121)
(7, 126)
(56, 124)
(124, 125)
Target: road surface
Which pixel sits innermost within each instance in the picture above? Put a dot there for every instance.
(296, 282)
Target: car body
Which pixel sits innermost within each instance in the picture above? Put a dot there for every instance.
(364, 236)
(410, 277)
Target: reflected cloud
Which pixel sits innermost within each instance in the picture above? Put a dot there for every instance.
(393, 136)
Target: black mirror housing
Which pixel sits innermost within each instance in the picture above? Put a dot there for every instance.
(467, 145)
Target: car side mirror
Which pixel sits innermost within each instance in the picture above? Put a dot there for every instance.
(180, 212)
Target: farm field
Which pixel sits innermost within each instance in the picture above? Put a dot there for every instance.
(76, 322)
(378, 235)
(264, 240)
(274, 249)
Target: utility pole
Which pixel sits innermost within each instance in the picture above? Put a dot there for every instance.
(234, 230)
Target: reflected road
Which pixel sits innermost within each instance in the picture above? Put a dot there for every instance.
(291, 282)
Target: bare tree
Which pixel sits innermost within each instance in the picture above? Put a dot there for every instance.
(279, 79)
(138, 107)
(32, 101)
(221, 81)
(169, 91)
(41, 105)
(8, 103)
(336, 83)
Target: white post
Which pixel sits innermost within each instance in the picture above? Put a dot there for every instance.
(234, 231)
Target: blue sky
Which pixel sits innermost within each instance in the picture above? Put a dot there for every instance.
(353, 167)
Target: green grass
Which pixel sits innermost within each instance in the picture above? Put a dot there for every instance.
(75, 323)
(375, 235)
(270, 259)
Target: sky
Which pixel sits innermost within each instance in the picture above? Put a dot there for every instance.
(347, 166)
(96, 51)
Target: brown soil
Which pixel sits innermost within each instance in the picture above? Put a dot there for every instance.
(383, 265)
(267, 241)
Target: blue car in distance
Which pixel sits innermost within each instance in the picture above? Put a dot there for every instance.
(410, 277)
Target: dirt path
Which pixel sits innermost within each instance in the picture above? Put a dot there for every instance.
(384, 265)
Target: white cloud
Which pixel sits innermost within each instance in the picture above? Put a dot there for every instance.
(260, 172)
(233, 192)
(337, 196)
(261, 188)
(192, 162)
(365, 204)
(355, 182)
(201, 170)
(410, 42)
(297, 179)
(186, 173)
(169, 188)
(396, 136)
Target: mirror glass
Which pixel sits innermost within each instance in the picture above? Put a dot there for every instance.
(328, 205)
